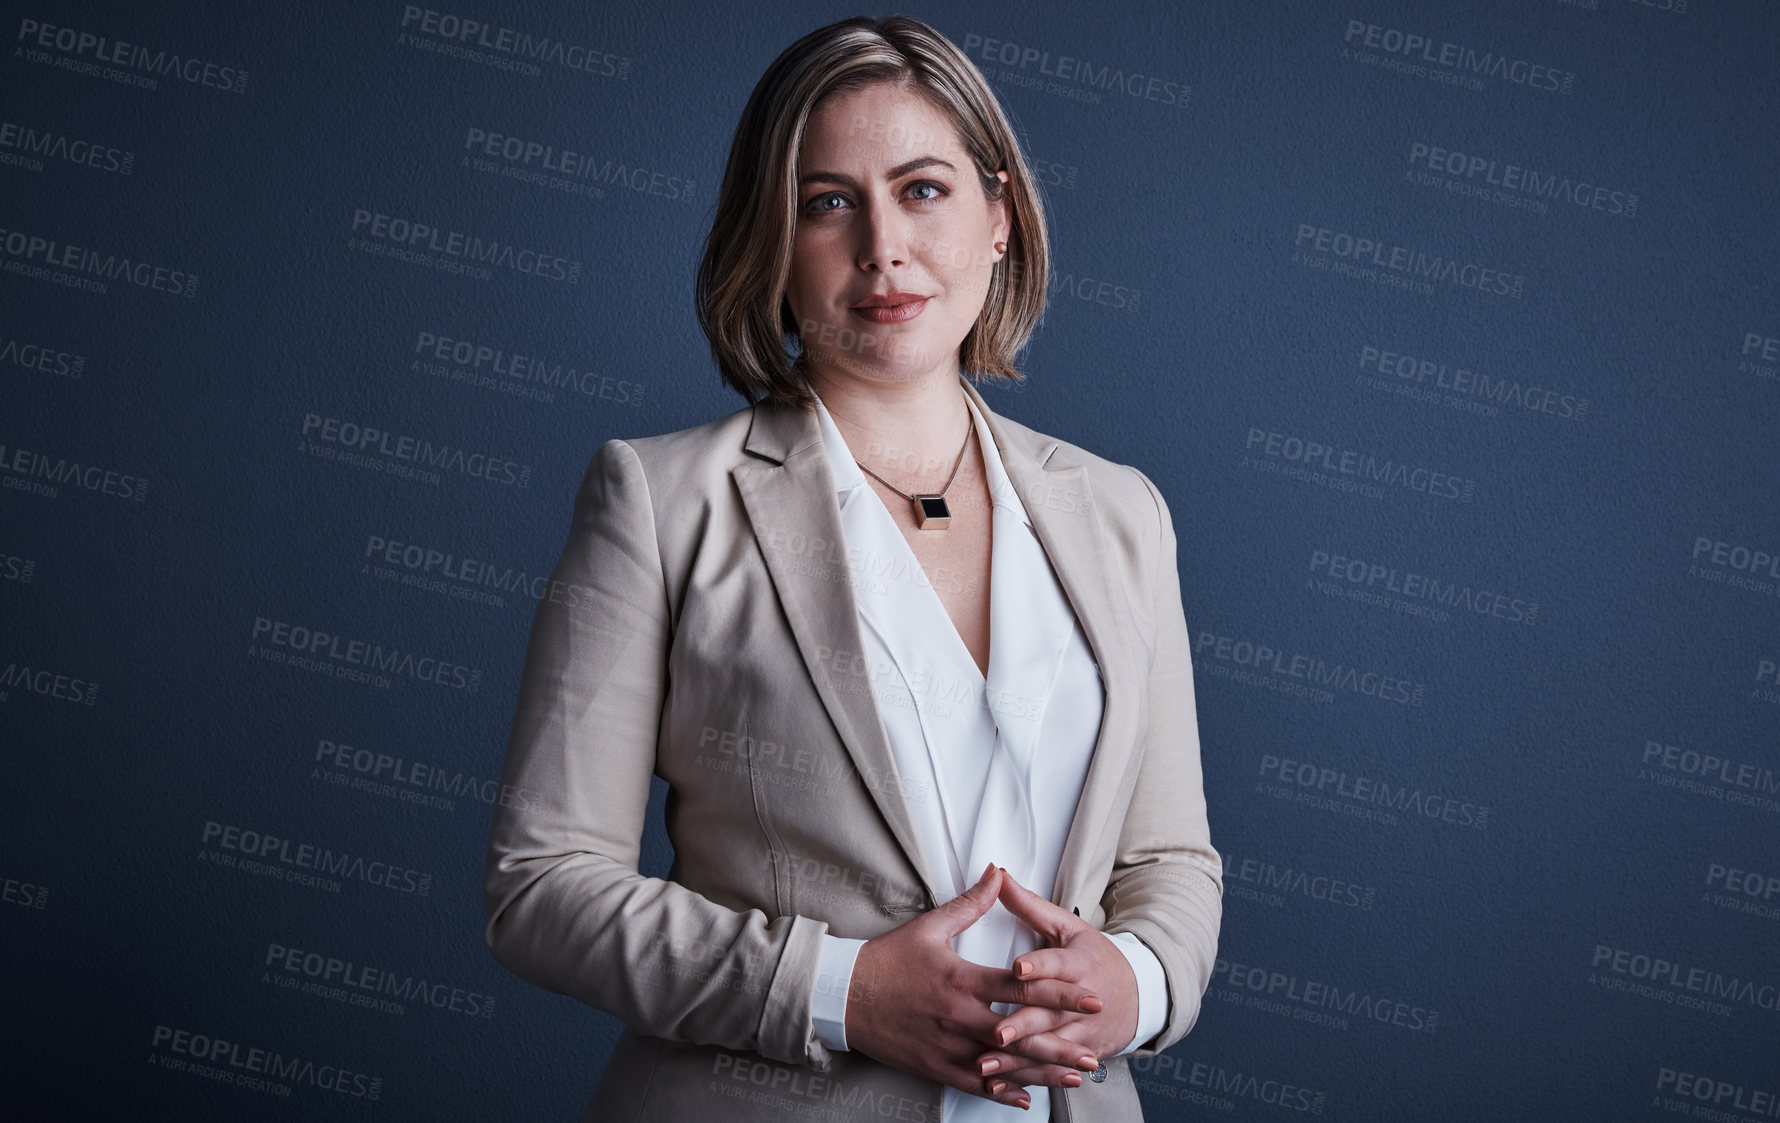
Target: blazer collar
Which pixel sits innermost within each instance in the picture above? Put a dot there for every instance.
(848, 475)
(789, 491)
(779, 431)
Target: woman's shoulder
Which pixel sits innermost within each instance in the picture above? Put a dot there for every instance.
(708, 438)
(682, 456)
(1125, 493)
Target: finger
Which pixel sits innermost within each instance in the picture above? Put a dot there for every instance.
(1076, 1034)
(1014, 1096)
(973, 1023)
(1032, 1021)
(984, 1087)
(1035, 1020)
(1002, 1090)
(963, 910)
(1070, 964)
(1051, 1076)
(1056, 994)
(956, 1065)
(1011, 1064)
(1005, 1032)
(998, 984)
(1049, 1047)
(1011, 1033)
(1053, 924)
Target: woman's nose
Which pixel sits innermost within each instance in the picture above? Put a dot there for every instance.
(886, 239)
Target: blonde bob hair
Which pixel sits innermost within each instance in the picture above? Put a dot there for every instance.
(747, 254)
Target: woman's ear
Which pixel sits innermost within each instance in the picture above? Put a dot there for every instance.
(1004, 221)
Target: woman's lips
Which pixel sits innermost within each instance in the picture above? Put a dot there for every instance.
(894, 314)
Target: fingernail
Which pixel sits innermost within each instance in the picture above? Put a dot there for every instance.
(988, 1066)
(996, 1087)
(987, 870)
(1071, 1080)
(1006, 1035)
(1022, 969)
(1088, 1062)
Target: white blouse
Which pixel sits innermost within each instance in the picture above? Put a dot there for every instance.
(999, 760)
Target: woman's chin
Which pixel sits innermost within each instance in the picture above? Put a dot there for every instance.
(878, 368)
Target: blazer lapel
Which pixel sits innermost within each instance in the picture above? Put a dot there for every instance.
(789, 494)
(1065, 514)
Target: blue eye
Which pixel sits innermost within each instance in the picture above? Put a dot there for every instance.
(814, 206)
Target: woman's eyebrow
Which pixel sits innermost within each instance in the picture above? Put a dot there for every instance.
(897, 172)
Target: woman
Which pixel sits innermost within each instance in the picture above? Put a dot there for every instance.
(901, 687)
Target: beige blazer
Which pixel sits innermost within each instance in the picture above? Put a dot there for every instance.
(702, 627)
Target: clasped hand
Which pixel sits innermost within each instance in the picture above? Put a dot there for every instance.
(916, 1005)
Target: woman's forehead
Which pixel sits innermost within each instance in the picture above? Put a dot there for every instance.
(882, 124)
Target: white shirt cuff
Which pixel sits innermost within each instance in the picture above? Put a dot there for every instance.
(1152, 988)
(834, 974)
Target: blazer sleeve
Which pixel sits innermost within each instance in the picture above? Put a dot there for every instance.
(566, 908)
(1167, 886)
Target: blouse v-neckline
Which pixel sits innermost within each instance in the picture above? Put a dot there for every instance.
(1030, 619)
(991, 476)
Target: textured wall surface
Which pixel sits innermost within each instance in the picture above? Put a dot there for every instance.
(1449, 331)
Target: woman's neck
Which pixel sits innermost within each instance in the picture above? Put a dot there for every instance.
(908, 430)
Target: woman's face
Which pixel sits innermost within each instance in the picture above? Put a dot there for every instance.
(889, 204)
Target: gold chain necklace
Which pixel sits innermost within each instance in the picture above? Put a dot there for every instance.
(931, 512)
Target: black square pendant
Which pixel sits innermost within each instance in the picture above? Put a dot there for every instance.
(931, 512)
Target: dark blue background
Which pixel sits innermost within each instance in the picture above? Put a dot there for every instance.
(1595, 519)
